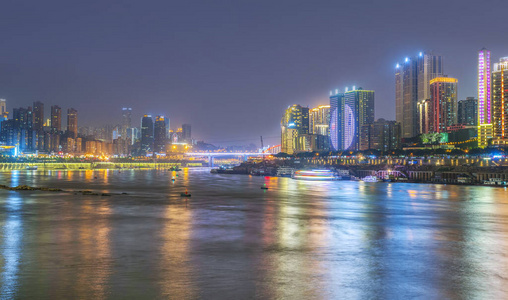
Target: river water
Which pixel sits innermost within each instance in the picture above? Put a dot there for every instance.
(232, 240)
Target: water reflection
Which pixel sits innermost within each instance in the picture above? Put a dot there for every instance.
(298, 239)
(12, 235)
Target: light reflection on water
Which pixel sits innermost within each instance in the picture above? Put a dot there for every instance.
(296, 240)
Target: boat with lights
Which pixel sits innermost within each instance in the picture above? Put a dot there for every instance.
(315, 175)
(370, 179)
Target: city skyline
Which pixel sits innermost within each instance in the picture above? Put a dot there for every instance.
(198, 71)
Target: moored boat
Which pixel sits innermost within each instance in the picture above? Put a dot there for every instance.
(370, 179)
(316, 175)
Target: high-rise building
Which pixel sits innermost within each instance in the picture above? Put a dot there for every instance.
(500, 99)
(319, 119)
(38, 112)
(38, 124)
(72, 123)
(186, 133)
(3, 110)
(425, 116)
(444, 102)
(358, 111)
(336, 121)
(160, 135)
(146, 135)
(56, 119)
(484, 99)
(467, 112)
(294, 122)
(412, 84)
(381, 135)
(126, 121)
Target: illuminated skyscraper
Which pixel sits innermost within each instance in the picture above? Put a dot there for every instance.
(425, 116)
(294, 122)
(444, 102)
(412, 84)
(160, 135)
(336, 122)
(56, 118)
(358, 111)
(500, 99)
(72, 123)
(146, 134)
(484, 98)
(126, 121)
(319, 119)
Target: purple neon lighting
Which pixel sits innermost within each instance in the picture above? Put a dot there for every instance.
(349, 126)
(484, 84)
(333, 130)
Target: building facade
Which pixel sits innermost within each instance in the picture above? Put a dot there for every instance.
(358, 111)
(485, 130)
(146, 135)
(381, 135)
(467, 112)
(159, 133)
(500, 100)
(412, 84)
(336, 122)
(72, 123)
(295, 122)
(444, 101)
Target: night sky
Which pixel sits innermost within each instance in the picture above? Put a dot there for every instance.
(230, 68)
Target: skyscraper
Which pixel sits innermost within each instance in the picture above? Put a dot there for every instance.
(500, 99)
(358, 111)
(444, 102)
(294, 122)
(38, 112)
(160, 135)
(467, 112)
(336, 121)
(56, 118)
(186, 133)
(146, 134)
(484, 98)
(72, 123)
(425, 116)
(319, 119)
(126, 121)
(3, 110)
(412, 84)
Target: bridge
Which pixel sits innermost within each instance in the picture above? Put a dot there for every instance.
(212, 155)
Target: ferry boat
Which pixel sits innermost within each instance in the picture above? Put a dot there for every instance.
(370, 179)
(31, 168)
(316, 175)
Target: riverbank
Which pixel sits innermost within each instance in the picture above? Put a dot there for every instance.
(461, 174)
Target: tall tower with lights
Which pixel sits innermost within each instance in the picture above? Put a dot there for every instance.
(484, 98)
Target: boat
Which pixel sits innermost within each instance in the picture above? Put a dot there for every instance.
(174, 169)
(31, 168)
(285, 172)
(370, 179)
(185, 195)
(315, 175)
(264, 188)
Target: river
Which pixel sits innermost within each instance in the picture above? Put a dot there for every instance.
(232, 240)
